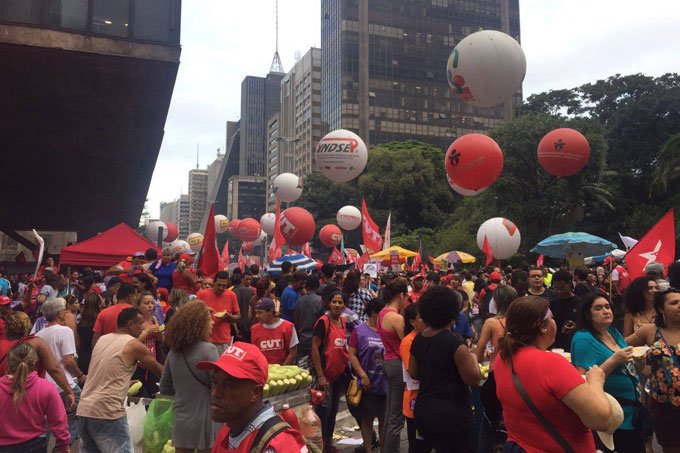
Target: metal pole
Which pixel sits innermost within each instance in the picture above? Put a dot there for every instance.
(159, 241)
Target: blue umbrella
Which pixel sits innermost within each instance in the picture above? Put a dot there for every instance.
(301, 261)
(559, 245)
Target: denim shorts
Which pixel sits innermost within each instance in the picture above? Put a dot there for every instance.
(97, 435)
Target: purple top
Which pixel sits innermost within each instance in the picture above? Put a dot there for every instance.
(370, 351)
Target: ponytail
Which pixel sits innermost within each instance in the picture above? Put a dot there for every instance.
(523, 321)
(21, 360)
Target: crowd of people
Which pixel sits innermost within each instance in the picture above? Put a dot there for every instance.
(577, 360)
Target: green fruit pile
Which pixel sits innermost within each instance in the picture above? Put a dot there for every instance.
(284, 379)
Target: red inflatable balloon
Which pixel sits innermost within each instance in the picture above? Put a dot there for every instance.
(563, 152)
(233, 227)
(172, 233)
(247, 247)
(248, 229)
(330, 235)
(474, 161)
(297, 226)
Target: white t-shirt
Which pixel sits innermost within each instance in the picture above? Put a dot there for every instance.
(293, 336)
(62, 342)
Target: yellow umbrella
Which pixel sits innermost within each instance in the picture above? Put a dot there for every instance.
(403, 253)
(455, 257)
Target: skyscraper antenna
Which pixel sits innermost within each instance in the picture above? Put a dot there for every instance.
(276, 62)
(197, 145)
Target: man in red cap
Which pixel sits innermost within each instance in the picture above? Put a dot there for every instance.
(236, 400)
(4, 309)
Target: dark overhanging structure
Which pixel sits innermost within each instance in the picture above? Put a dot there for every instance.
(84, 95)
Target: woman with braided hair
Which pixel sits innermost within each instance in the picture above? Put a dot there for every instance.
(26, 400)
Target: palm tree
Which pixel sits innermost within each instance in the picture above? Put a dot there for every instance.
(667, 164)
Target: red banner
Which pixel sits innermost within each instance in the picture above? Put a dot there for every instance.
(307, 250)
(658, 244)
(209, 263)
(224, 258)
(371, 233)
(336, 257)
(486, 248)
(277, 240)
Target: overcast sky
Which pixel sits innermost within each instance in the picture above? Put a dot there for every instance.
(566, 43)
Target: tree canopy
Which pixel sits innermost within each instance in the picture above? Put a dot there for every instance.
(632, 124)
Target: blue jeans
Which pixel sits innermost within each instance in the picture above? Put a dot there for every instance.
(104, 436)
(71, 416)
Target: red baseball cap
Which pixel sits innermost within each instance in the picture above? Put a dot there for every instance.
(495, 276)
(242, 361)
(4, 300)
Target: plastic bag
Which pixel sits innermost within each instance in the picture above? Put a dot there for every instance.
(158, 425)
(136, 413)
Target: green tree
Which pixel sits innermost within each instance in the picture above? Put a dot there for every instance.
(667, 165)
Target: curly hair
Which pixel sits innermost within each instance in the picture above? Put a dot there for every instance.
(188, 326)
(17, 325)
(634, 296)
(439, 306)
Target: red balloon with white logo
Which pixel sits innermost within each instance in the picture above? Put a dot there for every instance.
(473, 162)
(563, 152)
(247, 247)
(297, 226)
(248, 229)
(172, 232)
(330, 235)
(232, 228)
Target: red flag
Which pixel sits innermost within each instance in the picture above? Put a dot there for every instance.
(209, 263)
(435, 265)
(307, 250)
(539, 261)
(415, 266)
(278, 240)
(371, 233)
(363, 259)
(658, 244)
(486, 248)
(242, 263)
(336, 257)
(224, 258)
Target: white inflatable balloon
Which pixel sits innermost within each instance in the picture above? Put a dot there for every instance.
(179, 246)
(349, 218)
(486, 68)
(268, 223)
(221, 223)
(287, 187)
(152, 230)
(195, 241)
(503, 235)
(260, 240)
(463, 191)
(341, 155)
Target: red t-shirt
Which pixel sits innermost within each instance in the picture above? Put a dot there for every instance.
(288, 441)
(547, 377)
(274, 343)
(107, 319)
(227, 301)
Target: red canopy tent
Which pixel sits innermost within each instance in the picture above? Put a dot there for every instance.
(106, 249)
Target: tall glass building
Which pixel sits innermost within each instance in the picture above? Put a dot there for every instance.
(409, 42)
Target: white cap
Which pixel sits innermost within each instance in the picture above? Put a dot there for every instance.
(607, 437)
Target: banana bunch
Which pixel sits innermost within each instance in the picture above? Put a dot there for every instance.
(484, 368)
(284, 379)
(168, 448)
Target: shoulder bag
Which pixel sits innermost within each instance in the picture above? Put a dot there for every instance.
(544, 421)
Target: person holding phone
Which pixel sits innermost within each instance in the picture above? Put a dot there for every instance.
(565, 309)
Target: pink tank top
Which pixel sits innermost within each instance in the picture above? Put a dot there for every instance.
(389, 337)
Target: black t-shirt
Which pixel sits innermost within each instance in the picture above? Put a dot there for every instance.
(564, 310)
(583, 288)
(548, 294)
(281, 285)
(441, 387)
